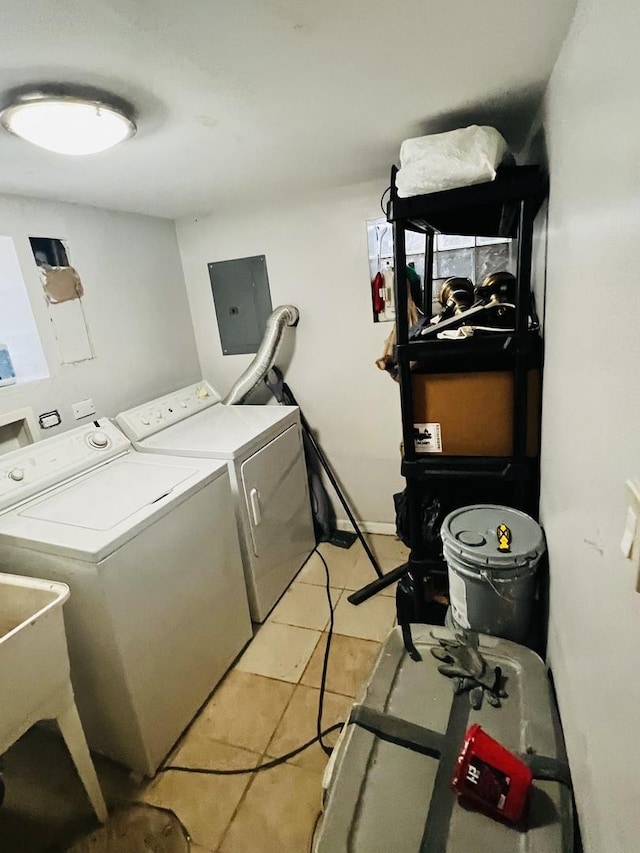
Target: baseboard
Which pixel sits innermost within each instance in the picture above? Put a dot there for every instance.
(387, 528)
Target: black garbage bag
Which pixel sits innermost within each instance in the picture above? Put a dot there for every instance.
(431, 515)
(324, 517)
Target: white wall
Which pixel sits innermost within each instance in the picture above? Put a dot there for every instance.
(591, 439)
(135, 304)
(316, 259)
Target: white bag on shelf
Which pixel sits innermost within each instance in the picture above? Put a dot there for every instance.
(443, 161)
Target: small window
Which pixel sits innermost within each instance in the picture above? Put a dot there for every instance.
(49, 252)
(453, 255)
(18, 330)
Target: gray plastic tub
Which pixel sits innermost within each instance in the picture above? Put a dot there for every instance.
(492, 587)
(380, 797)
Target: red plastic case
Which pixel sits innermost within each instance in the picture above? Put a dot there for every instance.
(491, 777)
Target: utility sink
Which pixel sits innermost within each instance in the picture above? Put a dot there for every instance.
(34, 662)
(35, 679)
(23, 601)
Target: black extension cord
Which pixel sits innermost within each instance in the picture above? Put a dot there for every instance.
(382, 207)
(320, 734)
(325, 663)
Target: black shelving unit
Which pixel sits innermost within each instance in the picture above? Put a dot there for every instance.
(505, 207)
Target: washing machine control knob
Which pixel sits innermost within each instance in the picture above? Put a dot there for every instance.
(16, 474)
(145, 421)
(99, 440)
(159, 415)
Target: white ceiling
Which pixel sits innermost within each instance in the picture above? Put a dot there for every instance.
(242, 100)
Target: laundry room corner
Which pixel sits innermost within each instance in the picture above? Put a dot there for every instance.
(319, 466)
(316, 252)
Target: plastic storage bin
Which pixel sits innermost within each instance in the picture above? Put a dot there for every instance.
(381, 797)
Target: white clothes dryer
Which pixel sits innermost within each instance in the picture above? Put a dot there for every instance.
(147, 545)
(263, 448)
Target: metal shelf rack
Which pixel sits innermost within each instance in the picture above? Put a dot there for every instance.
(505, 207)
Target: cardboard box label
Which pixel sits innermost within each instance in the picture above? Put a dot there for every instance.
(427, 438)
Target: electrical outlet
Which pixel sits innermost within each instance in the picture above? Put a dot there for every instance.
(83, 409)
(50, 419)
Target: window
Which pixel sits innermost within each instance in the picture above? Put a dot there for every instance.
(468, 257)
(49, 251)
(380, 240)
(17, 325)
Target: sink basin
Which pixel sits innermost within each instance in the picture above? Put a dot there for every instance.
(24, 600)
(35, 681)
(34, 663)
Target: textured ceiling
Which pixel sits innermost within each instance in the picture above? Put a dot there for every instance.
(243, 100)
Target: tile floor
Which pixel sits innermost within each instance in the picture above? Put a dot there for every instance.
(265, 706)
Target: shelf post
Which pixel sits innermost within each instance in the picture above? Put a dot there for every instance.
(523, 305)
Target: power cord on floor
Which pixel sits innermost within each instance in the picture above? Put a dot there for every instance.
(268, 765)
(325, 663)
(320, 733)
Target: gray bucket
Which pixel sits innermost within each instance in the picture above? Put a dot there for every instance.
(492, 570)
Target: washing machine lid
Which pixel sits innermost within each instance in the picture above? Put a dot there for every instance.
(90, 516)
(222, 432)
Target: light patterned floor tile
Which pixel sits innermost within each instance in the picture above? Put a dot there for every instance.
(370, 621)
(229, 716)
(350, 663)
(279, 651)
(305, 605)
(313, 572)
(203, 752)
(277, 814)
(204, 804)
(389, 550)
(359, 574)
(299, 725)
(340, 560)
(389, 591)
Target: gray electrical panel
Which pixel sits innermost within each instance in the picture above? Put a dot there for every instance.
(241, 295)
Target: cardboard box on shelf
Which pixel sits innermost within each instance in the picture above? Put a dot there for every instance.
(471, 414)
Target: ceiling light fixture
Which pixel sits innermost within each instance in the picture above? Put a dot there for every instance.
(68, 123)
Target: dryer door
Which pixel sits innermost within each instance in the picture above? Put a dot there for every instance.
(275, 491)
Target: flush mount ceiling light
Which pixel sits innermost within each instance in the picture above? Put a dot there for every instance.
(68, 123)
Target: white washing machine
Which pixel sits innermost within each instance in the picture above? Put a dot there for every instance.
(263, 448)
(147, 544)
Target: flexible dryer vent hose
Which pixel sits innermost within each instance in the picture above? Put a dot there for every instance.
(284, 315)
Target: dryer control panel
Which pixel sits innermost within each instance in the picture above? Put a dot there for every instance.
(151, 417)
(36, 467)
